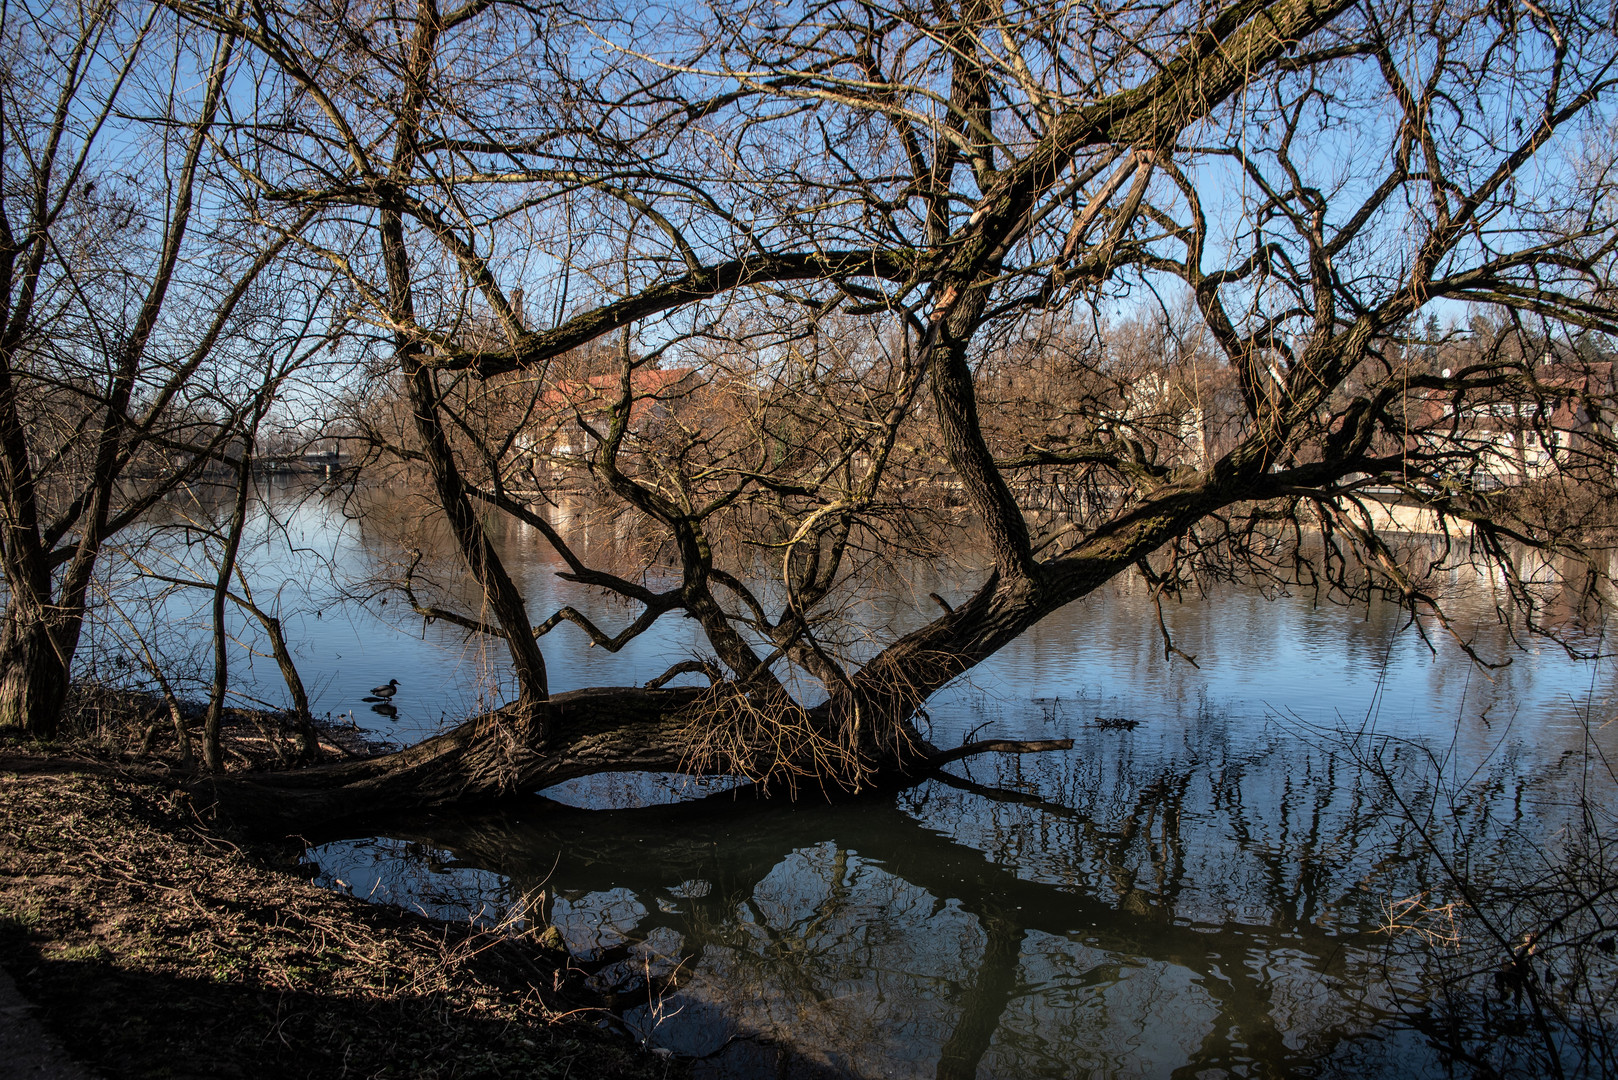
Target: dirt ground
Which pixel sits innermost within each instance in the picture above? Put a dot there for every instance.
(26, 1049)
(155, 945)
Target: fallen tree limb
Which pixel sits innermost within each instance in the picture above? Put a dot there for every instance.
(494, 756)
(616, 729)
(993, 746)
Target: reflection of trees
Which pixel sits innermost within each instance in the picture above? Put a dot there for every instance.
(799, 902)
(986, 1000)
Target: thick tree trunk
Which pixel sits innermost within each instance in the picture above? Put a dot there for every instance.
(33, 673)
(500, 593)
(621, 729)
(603, 730)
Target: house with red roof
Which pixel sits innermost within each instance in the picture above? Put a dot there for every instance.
(574, 408)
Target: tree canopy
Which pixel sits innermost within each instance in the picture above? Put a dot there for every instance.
(1177, 289)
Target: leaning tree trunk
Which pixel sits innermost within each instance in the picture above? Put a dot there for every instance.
(302, 720)
(500, 593)
(504, 601)
(589, 732)
(489, 757)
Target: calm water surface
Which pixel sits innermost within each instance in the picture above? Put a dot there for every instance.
(1198, 895)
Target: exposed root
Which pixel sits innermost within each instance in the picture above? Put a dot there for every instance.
(772, 741)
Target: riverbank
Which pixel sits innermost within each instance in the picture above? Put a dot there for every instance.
(154, 943)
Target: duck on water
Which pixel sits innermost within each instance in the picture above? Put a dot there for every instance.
(384, 692)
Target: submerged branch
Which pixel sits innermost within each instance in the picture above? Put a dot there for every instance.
(996, 746)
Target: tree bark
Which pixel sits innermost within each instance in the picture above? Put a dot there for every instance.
(493, 756)
(505, 602)
(33, 671)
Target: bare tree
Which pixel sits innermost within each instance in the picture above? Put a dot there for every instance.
(1275, 194)
(128, 278)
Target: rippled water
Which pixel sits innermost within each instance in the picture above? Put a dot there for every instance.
(1197, 895)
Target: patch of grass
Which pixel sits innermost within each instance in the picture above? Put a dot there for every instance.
(70, 953)
(23, 916)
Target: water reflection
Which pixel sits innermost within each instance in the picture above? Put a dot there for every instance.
(1108, 912)
(1194, 891)
(314, 563)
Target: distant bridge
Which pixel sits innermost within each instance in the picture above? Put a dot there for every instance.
(322, 463)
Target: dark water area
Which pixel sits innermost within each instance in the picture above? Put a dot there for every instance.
(1203, 905)
(1203, 893)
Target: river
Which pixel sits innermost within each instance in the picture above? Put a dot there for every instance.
(1200, 890)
